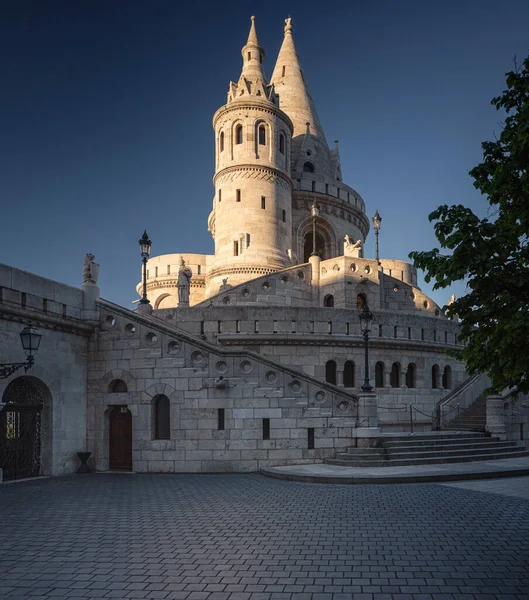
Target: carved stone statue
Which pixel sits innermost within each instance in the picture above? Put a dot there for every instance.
(452, 299)
(90, 269)
(292, 257)
(352, 248)
(184, 283)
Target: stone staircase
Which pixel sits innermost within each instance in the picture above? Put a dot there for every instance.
(473, 418)
(429, 448)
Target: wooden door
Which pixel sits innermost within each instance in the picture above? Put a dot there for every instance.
(120, 439)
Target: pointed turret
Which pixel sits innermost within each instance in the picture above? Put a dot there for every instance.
(252, 81)
(294, 98)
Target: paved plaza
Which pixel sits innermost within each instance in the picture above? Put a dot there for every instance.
(242, 537)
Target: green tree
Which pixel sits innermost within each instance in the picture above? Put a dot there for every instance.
(491, 255)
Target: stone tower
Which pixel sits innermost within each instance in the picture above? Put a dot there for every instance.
(251, 220)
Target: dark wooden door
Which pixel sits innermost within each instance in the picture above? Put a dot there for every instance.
(120, 439)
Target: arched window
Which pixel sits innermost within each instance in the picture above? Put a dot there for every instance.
(328, 301)
(361, 301)
(221, 141)
(238, 134)
(435, 377)
(411, 376)
(394, 378)
(118, 386)
(162, 418)
(262, 135)
(349, 374)
(330, 372)
(308, 167)
(379, 375)
(447, 378)
(281, 143)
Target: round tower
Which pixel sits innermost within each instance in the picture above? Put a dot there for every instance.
(251, 220)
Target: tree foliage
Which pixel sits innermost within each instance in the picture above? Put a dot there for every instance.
(492, 254)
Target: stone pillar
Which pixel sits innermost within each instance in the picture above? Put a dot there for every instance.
(496, 418)
(368, 429)
(91, 294)
(315, 281)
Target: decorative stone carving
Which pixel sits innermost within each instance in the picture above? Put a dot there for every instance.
(90, 270)
(184, 283)
(352, 248)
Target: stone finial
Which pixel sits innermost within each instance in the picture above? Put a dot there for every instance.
(288, 25)
(90, 269)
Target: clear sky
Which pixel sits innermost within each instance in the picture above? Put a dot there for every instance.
(106, 108)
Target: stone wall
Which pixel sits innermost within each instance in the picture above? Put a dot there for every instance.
(154, 358)
(61, 362)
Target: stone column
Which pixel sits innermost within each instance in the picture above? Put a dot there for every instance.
(315, 281)
(368, 428)
(496, 418)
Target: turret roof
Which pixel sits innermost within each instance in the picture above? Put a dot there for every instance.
(295, 99)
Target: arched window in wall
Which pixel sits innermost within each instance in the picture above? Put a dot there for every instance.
(447, 378)
(379, 375)
(435, 376)
(262, 135)
(361, 301)
(330, 372)
(162, 417)
(238, 134)
(394, 378)
(328, 301)
(411, 376)
(118, 386)
(221, 141)
(281, 143)
(308, 167)
(349, 374)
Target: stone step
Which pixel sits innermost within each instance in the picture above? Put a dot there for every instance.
(450, 452)
(453, 439)
(431, 436)
(449, 447)
(427, 461)
(427, 452)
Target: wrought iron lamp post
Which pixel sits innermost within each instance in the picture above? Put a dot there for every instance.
(377, 220)
(315, 212)
(366, 322)
(145, 247)
(30, 339)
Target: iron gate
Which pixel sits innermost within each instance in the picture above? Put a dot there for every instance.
(20, 430)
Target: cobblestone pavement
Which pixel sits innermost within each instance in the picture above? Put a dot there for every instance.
(242, 537)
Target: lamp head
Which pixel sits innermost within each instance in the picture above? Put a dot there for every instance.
(145, 245)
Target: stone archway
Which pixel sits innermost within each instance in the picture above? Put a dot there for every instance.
(325, 239)
(25, 429)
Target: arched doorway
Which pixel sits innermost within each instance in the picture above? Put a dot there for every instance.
(307, 248)
(120, 439)
(329, 301)
(21, 428)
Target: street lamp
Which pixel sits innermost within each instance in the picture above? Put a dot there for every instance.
(315, 212)
(30, 339)
(366, 321)
(145, 248)
(377, 219)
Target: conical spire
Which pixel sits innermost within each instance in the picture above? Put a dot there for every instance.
(295, 99)
(252, 81)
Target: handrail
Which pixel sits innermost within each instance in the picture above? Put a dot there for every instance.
(479, 380)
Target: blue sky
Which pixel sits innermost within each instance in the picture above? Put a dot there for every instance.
(106, 108)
